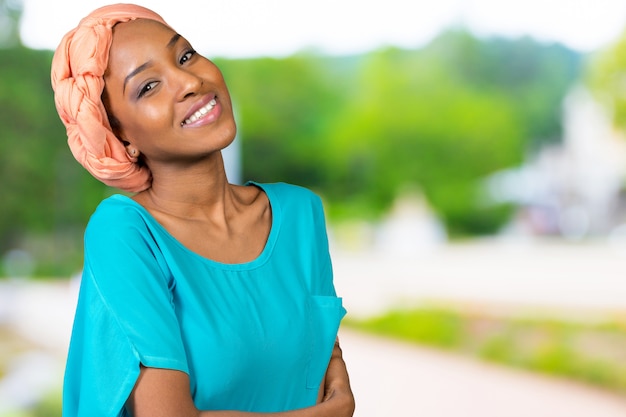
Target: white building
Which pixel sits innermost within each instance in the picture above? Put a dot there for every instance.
(574, 188)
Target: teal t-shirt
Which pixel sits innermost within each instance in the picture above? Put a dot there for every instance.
(254, 336)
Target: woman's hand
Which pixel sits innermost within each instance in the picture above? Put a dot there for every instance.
(337, 383)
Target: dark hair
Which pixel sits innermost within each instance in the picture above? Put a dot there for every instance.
(113, 121)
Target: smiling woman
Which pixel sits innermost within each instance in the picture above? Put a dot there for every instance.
(198, 297)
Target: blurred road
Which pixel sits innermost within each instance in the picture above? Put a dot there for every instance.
(582, 282)
(394, 379)
(390, 378)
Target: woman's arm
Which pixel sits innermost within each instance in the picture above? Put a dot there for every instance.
(165, 393)
(336, 380)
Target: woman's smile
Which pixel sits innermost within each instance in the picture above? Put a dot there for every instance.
(202, 113)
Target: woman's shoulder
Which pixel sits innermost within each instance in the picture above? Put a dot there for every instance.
(294, 204)
(288, 193)
(116, 212)
(117, 204)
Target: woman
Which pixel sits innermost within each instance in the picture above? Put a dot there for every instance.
(198, 297)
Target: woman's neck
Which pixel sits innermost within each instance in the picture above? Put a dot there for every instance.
(198, 190)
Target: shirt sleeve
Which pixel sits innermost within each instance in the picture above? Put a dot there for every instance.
(327, 309)
(323, 284)
(124, 317)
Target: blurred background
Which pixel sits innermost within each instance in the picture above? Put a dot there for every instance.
(471, 156)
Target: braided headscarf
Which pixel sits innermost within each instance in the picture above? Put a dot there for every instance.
(77, 74)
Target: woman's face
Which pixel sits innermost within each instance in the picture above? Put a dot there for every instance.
(171, 103)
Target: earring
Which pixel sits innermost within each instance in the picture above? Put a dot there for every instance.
(132, 153)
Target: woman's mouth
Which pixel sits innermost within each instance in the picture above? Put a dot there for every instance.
(200, 113)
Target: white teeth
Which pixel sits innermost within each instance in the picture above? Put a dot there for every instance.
(201, 112)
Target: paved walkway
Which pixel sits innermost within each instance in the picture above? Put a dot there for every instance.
(392, 379)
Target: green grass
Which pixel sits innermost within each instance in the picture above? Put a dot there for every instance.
(593, 353)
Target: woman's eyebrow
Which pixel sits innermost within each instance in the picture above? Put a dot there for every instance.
(142, 67)
(135, 72)
(173, 41)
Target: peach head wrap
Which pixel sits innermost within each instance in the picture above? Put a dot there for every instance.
(77, 75)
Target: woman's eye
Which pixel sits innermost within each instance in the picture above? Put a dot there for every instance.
(146, 88)
(187, 56)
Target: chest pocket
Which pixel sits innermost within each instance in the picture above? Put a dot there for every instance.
(325, 314)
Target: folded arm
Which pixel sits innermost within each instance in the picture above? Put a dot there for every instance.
(165, 393)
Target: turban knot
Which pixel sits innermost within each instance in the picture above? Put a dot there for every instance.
(77, 76)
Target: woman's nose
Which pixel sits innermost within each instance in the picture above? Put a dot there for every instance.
(189, 83)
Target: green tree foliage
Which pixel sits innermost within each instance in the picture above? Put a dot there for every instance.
(416, 124)
(447, 116)
(27, 126)
(534, 76)
(44, 191)
(283, 108)
(606, 75)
